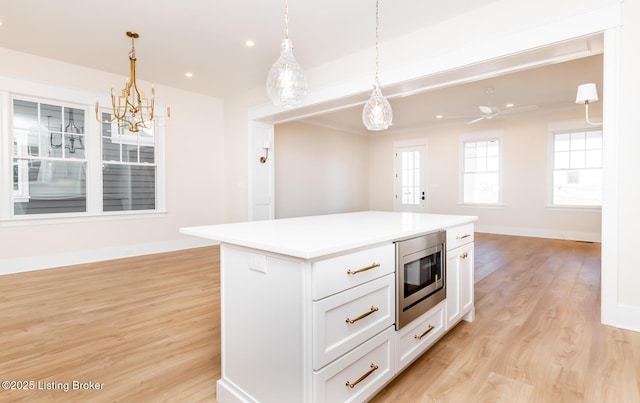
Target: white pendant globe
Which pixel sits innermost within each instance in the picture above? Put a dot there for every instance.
(377, 113)
(286, 83)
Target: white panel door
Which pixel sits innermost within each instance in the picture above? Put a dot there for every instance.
(410, 178)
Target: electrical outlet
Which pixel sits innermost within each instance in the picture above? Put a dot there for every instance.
(258, 262)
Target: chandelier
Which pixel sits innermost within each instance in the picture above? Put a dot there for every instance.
(377, 113)
(286, 83)
(131, 108)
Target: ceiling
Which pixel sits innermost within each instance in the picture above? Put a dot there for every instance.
(207, 39)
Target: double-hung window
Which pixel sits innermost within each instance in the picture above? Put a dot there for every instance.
(481, 171)
(49, 158)
(577, 168)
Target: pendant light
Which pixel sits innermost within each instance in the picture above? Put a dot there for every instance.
(286, 83)
(377, 113)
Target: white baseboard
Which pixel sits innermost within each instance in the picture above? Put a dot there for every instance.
(30, 263)
(624, 317)
(540, 233)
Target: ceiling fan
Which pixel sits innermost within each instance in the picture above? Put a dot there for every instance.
(490, 112)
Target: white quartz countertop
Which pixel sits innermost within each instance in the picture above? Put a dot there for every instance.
(316, 236)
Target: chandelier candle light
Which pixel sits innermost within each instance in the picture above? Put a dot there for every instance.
(286, 83)
(132, 109)
(377, 113)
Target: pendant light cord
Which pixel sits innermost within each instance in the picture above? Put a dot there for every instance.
(377, 35)
(286, 19)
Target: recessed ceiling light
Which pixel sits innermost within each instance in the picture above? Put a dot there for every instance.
(439, 116)
(249, 43)
(509, 105)
(188, 74)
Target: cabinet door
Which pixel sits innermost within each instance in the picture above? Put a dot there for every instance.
(453, 287)
(460, 280)
(466, 279)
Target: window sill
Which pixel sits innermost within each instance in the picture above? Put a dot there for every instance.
(575, 209)
(21, 221)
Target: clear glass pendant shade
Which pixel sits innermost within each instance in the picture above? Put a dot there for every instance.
(377, 113)
(286, 83)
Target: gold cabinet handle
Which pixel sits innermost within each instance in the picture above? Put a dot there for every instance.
(464, 255)
(431, 327)
(353, 385)
(364, 315)
(373, 266)
(463, 236)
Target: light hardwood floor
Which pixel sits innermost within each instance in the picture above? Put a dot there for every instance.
(147, 328)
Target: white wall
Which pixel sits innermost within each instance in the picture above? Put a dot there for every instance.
(525, 145)
(319, 171)
(194, 145)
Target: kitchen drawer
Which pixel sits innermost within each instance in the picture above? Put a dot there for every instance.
(370, 308)
(416, 337)
(336, 274)
(374, 358)
(459, 236)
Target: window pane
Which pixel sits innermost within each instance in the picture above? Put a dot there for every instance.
(481, 188)
(583, 188)
(481, 148)
(470, 165)
(563, 142)
(492, 164)
(594, 140)
(576, 159)
(577, 141)
(593, 159)
(493, 149)
(562, 160)
(470, 149)
(129, 187)
(53, 187)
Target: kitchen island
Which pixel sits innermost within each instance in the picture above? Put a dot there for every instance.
(308, 304)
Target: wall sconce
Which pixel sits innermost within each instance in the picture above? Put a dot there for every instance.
(266, 145)
(587, 93)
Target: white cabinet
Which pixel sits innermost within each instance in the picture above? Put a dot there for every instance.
(460, 276)
(297, 330)
(416, 337)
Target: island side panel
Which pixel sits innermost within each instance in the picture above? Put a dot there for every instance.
(262, 313)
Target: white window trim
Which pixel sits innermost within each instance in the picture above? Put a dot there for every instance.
(552, 129)
(485, 135)
(40, 92)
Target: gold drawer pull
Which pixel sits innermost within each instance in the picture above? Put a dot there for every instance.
(431, 327)
(353, 385)
(464, 255)
(364, 315)
(373, 266)
(463, 236)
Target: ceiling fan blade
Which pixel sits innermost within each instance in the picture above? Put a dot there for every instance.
(475, 120)
(487, 110)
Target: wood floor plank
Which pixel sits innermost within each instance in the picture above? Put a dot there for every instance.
(148, 329)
